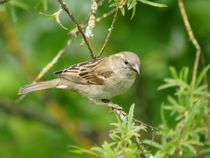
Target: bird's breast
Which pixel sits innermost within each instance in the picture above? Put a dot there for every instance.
(112, 86)
(119, 85)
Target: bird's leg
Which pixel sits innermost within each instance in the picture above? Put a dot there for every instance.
(106, 102)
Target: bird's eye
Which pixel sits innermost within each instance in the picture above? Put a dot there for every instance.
(126, 62)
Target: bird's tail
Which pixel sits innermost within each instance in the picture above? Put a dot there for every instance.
(39, 86)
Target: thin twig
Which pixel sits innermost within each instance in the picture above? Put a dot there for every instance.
(105, 15)
(75, 30)
(53, 61)
(121, 113)
(65, 8)
(194, 41)
(139, 142)
(109, 33)
(46, 68)
(192, 38)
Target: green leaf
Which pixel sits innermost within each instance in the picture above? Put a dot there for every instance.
(133, 12)
(130, 114)
(190, 148)
(122, 11)
(78, 150)
(173, 101)
(185, 74)
(152, 143)
(108, 150)
(113, 5)
(97, 149)
(132, 4)
(194, 142)
(173, 72)
(168, 107)
(201, 75)
(162, 115)
(169, 83)
(179, 117)
(154, 4)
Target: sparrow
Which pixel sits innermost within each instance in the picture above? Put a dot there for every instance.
(100, 78)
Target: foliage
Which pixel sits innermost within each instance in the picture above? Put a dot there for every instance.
(186, 137)
(124, 140)
(189, 111)
(131, 5)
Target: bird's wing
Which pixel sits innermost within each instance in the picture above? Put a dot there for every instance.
(90, 72)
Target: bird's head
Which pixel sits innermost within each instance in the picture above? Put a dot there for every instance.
(126, 61)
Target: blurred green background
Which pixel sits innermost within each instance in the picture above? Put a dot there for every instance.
(43, 124)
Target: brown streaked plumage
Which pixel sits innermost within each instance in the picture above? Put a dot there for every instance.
(100, 78)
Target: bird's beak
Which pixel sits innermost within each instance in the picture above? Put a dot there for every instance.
(136, 68)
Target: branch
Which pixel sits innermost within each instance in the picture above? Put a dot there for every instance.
(75, 30)
(53, 61)
(16, 110)
(59, 120)
(109, 34)
(120, 112)
(123, 115)
(192, 38)
(197, 47)
(105, 15)
(65, 8)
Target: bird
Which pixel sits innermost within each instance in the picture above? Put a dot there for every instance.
(98, 79)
